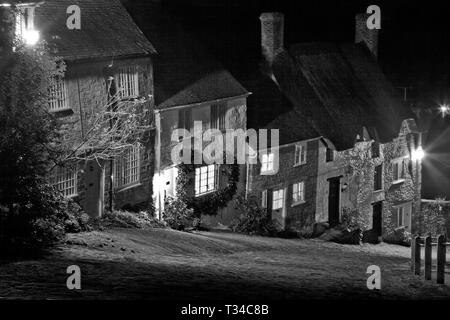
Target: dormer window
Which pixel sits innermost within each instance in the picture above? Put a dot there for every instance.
(24, 25)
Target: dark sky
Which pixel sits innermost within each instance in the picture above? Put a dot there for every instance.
(414, 50)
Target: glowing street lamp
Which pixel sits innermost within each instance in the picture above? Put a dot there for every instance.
(418, 154)
(444, 109)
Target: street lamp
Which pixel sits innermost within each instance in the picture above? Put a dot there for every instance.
(418, 154)
(444, 109)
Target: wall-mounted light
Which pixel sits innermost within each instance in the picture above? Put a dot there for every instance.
(418, 154)
(344, 186)
(31, 37)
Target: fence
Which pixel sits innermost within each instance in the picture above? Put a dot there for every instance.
(429, 243)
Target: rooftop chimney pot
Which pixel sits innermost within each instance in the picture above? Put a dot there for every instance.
(272, 35)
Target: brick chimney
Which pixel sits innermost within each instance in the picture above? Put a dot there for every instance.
(364, 34)
(272, 35)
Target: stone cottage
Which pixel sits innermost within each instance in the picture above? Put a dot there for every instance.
(347, 142)
(190, 86)
(107, 54)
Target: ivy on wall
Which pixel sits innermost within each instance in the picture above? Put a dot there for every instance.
(210, 203)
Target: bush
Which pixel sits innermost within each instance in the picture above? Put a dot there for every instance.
(41, 219)
(126, 219)
(433, 218)
(399, 236)
(177, 215)
(253, 219)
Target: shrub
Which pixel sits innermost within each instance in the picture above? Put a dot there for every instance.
(177, 215)
(42, 218)
(126, 219)
(399, 236)
(253, 219)
(433, 219)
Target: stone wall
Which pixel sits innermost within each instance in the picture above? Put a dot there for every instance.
(87, 95)
(297, 216)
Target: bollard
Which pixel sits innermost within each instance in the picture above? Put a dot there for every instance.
(428, 250)
(440, 277)
(417, 255)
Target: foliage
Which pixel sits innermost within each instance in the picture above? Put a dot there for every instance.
(40, 219)
(210, 203)
(433, 218)
(399, 236)
(253, 218)
(126, 219)
(177, 215)
(352, 220)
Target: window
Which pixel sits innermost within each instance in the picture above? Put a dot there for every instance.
(185, 119)
(205, 179)
(127, 168)
(378, 178)
(298, 192)
(277, 202)
(127, 82)
(65, 180)
(58, 95)
(218, 116)
(300, 154)
(329, 155)
(267, 164)
(404, 215)
(375, 149)
(264, 199)
(398, 169)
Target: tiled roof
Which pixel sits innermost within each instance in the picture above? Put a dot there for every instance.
(107, 30)
(184, 72)
(338, 90)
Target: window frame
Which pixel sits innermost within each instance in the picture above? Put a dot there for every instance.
(277, 199)
(129, 75)
(218, 112)
(123, 172)
(212, 168)
(58, 92)
(378, 175)
(59, 172)
(300, 157)
(269, 165)
(329, 155)
(397, 165)
(299, 191)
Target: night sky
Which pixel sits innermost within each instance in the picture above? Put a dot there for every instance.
(413, 51)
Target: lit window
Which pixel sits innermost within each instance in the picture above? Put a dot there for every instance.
(300, 154)
(128, 82)
(65, 180)
(398, 169)
(127, 168)
(264, 199)
(298, 192)
(205, 179)
(277, 201)
(218, 116)
(58, 95)
(267, 164)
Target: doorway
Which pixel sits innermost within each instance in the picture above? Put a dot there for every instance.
(94, 177)
(334, 194)
(377, 217)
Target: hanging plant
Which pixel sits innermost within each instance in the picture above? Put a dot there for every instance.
(210, 203)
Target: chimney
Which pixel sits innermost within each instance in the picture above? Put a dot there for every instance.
(366, 35)
(272, 35)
